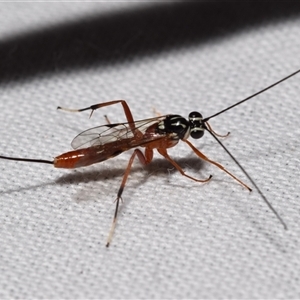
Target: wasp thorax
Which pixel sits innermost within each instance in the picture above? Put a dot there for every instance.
(196, 125)
(175, 124)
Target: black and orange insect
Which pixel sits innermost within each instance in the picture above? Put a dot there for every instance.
(104, 142)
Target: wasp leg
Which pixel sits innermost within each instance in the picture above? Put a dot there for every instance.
(165, 154)
(144, 159)
(201, 155)
(126, 109)
(217, 134)
(107, 119)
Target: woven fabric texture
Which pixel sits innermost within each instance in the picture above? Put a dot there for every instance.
(175, 238)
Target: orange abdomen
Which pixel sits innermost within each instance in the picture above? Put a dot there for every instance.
(72, 159)
(78, 158)
(84, 157)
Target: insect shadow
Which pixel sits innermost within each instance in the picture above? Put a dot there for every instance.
(159, 166)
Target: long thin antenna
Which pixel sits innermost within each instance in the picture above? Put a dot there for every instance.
(252, 96)
(251, 180)
(28, 160)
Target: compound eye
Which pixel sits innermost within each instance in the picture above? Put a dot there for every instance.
(196, 125)
(195, 116)
(197, 133)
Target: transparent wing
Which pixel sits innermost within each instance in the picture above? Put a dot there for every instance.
(109, 133)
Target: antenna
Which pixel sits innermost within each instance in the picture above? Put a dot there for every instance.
(251, 180)
(252, 96)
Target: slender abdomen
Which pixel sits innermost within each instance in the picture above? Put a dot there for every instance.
(82, 157)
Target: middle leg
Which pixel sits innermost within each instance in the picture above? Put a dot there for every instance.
(144, 159)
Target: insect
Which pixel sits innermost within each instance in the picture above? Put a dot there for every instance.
(162, 132)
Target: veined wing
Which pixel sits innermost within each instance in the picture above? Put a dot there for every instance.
(104, 134)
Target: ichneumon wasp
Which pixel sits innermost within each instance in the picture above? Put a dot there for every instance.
(103, 142)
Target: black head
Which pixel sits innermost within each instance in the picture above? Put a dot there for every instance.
(197, 127)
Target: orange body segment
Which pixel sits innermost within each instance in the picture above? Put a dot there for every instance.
(81, 158)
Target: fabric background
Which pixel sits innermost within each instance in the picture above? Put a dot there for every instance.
(175, 238)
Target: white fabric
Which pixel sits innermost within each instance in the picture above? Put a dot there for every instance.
(175, 238)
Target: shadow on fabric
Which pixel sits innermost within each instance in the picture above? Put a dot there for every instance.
(124, 36)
